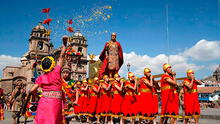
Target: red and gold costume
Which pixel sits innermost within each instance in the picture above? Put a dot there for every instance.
(92, 101)
(129, 100)
(83, 100)
(112, 58)
(146, 100)
(115, 108)
(105, 99)
(99, 103)
(169, 97)
(191, 101)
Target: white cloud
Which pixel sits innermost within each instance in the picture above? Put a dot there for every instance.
(204, 50)
(139, 62)
(213, 67)
(6, 60)
(181, 63)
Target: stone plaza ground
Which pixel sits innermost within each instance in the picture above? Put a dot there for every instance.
(208, 116)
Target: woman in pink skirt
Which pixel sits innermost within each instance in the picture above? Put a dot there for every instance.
(49, 110)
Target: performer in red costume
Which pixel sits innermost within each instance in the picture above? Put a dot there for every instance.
(112, 57)
(129, 99)
(191, 101)
(93, 97)
(105, 97)
(169, 96)
(116, 90)
(146, 97)
(83, 97)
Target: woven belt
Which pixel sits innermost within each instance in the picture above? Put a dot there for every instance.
(129, 93)
(191, 91)
(175, 91)
(53, 94)
(93, 94)
(102, 93)
(116, 92)
(145, 90)
(166, 88)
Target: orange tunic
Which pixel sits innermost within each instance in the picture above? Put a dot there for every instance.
(129, 100)
(92, 101)
(115, 108)
(191, 101)
(83, 101)
(99, 105)
(146, 100)
(169, 98)
(105, 100)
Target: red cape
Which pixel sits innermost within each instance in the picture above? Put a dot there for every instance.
(102, 57)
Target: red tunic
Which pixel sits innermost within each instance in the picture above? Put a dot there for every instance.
(105, 100)
(128, 101)
(146, 100)
(135, 105)
(99, 104)
(191, 101)
(115, 108)
(169, 98)
(92, 101)
(82, 101)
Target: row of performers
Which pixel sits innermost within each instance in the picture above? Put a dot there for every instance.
(134, 98)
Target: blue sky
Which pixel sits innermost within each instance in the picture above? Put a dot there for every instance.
(140, 25)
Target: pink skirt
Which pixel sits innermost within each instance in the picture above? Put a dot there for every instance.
(49, 111)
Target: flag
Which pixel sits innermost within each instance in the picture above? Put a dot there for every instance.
(47, 21)
(70, 21)
(70, 29)
(46, 10)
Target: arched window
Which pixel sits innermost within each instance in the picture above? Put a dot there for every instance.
(80, 49)
(40, 45)
(80, 78)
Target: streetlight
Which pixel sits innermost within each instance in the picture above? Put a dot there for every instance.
(128, 67)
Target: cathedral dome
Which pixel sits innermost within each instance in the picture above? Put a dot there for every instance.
(218, 69)
(78, 34)
(23, 58)
(39, 27)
